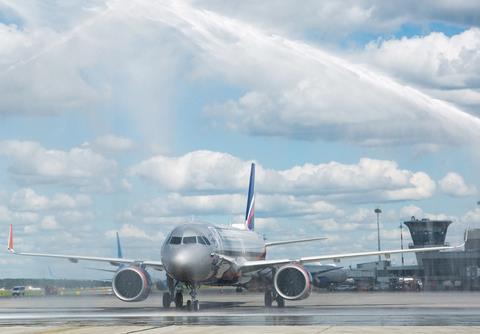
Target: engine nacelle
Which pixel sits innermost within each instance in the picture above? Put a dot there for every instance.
(293, 282)
(132, 284)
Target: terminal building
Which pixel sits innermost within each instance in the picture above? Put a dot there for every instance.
(440, 270)
(445, 269)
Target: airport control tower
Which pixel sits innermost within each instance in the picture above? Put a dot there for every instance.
(427, 233)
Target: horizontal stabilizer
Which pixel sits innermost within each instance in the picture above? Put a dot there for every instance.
(277, 243)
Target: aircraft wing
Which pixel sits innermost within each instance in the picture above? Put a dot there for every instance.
(294, 241)
(115, 261)
(247, 266)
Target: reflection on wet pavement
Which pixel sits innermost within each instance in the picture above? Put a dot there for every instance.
(423, 309)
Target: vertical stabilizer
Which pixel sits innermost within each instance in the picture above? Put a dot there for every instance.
(119, 248)
(250, 213)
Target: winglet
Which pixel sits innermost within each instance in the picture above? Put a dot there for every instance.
(466, 235)
(10, 240)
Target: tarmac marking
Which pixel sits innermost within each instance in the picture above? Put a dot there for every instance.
(325, 329)
(142, 330)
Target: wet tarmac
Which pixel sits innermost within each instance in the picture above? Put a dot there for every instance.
(241, 309)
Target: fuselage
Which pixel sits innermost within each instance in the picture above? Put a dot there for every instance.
(189, 252)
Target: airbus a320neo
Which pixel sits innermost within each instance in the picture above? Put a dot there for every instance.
(200, 254)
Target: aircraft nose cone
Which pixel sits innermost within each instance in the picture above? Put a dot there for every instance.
(190, 265)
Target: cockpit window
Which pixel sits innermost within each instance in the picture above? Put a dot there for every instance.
(175, 240)
(203, 240)
(189, 240)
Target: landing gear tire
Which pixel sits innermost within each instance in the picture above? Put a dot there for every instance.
(268, 298)
(280, 302)
(178, 300)
(189, 305)
(167, 299)
(196, 305)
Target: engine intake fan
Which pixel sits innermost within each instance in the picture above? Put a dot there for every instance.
(293, 282)
(132, 284)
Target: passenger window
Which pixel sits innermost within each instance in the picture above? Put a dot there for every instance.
(201, 241)
(175, 240)
(189, 240)
(206, 240)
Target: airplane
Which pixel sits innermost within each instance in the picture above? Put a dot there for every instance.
(323, 275)
(203, 254)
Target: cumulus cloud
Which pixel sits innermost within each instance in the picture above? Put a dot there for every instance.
(44, 86)
(409, 211)
(26, 207)
(317, 96)
(177, 205)
(133, 232)
(295, 99)
(330, 19)
(233, 204)
(194, 171)
(468, 98)
(26, 199)
(10, 216)
(320, 108)
(434, 60)
(61, 58)
(453, 184)
(444, 67)
(472, 218)
(33, 164)
(286, 98)
(207, 171)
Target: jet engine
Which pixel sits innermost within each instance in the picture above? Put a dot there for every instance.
(131, 284)
(293, 282)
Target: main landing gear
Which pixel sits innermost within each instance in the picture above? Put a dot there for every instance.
(271, 296)
(168, 296)
(178, 299)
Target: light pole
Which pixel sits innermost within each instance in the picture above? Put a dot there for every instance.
(401, 242)
(401, 247)
(378, 212)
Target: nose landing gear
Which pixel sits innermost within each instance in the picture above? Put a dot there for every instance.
(193, 304)
(175, 295)
(178, 300)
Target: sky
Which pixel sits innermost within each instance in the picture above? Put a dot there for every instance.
(136, 116)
